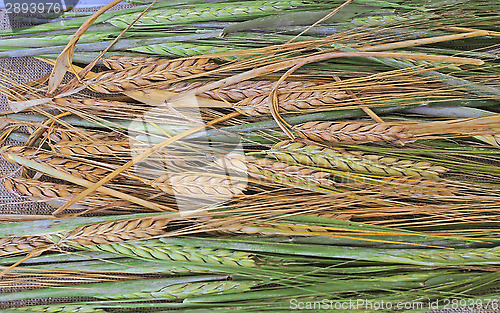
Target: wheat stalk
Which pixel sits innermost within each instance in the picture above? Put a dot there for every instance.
(132, 78)
(352, 161)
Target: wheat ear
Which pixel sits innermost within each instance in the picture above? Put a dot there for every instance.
(76, 168)
(352, 132)
(154, 249)
(114, 231)
(360, 132)
(198, 185)
(352, 161)
(60, 308)
(118, 62)
(54, 194)
(239, 91)
(292, 102)
(141, 76)
(14, 245)
(93, 148)
(280, 172)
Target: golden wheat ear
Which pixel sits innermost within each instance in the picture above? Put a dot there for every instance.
(362, 132)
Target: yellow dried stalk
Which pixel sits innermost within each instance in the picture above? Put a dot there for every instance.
(351, 161)
(142, 76)
(416, 187)
(88, 102)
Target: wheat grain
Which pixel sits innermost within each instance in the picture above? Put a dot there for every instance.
(292, 102)
(114, 231)
(198, 185)
(141, 76)
(54, 194)
(76, 168)
(118, 62)
(237, 92)
(14, 245)
(280, 172)
(93, 148)
(493, 140)
(352, 161)
(352, 132)
(361, 132)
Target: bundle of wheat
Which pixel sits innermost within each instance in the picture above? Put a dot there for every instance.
(250, 177)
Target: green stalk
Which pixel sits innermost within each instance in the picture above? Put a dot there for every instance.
(98, 46)
(428, 257)
(115, 265)
(46, 227)
(77, 22)
(146, 289)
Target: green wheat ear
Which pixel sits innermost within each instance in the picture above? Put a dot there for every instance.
(352, 161)
(154, 249)
(219, 12)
